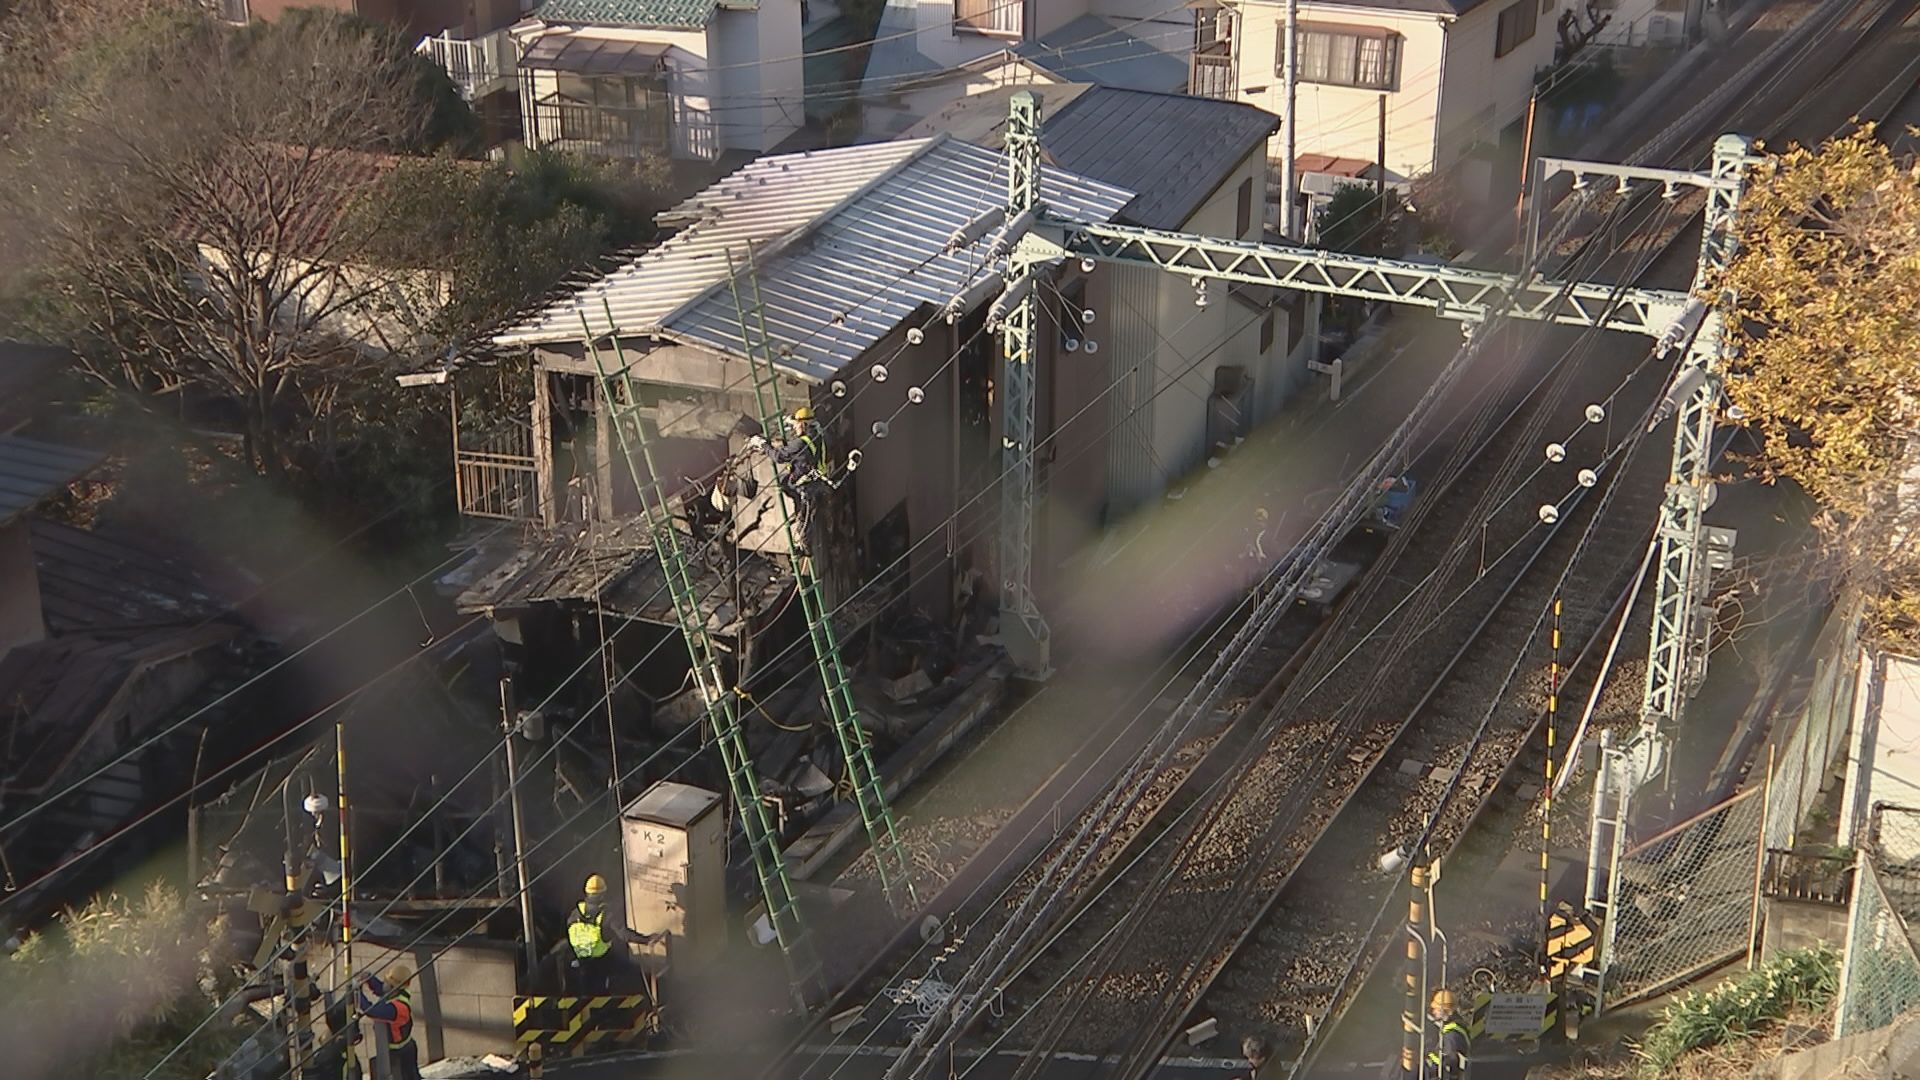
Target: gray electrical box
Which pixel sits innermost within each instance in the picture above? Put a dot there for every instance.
(673, 842)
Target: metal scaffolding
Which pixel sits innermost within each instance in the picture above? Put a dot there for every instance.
(889, 855)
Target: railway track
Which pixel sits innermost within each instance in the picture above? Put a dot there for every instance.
(1180, 792)
(1379, 804)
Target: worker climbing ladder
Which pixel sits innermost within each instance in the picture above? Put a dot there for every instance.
(769, 866)
(889, 855)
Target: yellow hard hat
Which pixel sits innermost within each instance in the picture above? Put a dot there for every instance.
(1261, 513)
(397, 975)
(1442, 1001)
(596, 885)
(804, 412)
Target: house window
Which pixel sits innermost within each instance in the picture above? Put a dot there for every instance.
(988, 16)
(1516, 25)
(1243, 211)
(1359, 56)
(233, 11)
(1266, 333)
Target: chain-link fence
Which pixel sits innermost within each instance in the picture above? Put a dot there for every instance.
(1880, 978)
(1804, 763)
(1893, 843)
(1683, 901)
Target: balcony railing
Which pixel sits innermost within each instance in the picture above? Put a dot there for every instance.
(989, 16)
(1808, 878)
(478, 67)
(614, 131)
(1211, 75)
(496, 478)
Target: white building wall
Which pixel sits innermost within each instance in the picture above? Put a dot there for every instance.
(1884, 757)
(1451, 89)
(763, 92)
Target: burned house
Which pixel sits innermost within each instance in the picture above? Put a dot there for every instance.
(850, 258)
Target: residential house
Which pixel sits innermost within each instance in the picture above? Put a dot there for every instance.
(1442, 85)
(851, 257)
(689, 79)
(103, 641)
(926, 53)
(1188, 380)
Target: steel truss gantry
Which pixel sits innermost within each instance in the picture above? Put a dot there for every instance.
(869, 796)
(1676, 659)
(717, 691)
(1696, 318)
(1033, 238)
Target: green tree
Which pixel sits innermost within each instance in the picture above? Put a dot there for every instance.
(1351, 220)
(505, 234)
(1828, 287)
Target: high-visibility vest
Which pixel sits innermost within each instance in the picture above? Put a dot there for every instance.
(819, 457)
(400, 1028)
(585, 936)
(1433, 1056)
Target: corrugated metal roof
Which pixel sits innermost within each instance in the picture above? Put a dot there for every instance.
(675, 14)
(31, 470)
(867, 266)
(771, 197)
(863, 231)
(1173, 150)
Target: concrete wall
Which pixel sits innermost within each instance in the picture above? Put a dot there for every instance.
(462, 1000)
(1451, 90)
(1794, 924)
(1884, 757)
(21, 622)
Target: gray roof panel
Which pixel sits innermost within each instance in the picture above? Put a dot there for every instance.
(1093, 50)
(31, 470)
(1172, 149)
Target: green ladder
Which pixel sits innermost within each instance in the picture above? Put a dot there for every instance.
(783, 910)
(889, 854)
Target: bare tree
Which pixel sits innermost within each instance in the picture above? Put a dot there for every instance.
(190, 208)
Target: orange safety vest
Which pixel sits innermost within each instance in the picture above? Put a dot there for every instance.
(400, 1028)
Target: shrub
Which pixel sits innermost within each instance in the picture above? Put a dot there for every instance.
(1742, 1005)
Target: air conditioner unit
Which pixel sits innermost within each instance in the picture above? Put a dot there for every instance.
(1663, 29)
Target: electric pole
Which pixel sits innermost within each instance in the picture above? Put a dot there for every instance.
(1290, 85)
(511, 725)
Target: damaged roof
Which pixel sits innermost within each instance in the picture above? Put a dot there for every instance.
(101, 584)
(835, 276)
(610, 566)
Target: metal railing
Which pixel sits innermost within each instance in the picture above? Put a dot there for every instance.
(478, 67)
(1807, 878)
(497, 478)
(1211, 75)
(989, 16)
(617, 131)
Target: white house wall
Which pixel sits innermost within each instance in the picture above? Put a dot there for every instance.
(1451, 89)
(757, 75)
(1483, 96)
(1163, 352)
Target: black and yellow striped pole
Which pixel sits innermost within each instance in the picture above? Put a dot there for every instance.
(1546, 803)
(1413, 1019)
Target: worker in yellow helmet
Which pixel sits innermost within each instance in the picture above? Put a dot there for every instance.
(386, 999)
(799, 464)
(1449, 1053)
(591, 935)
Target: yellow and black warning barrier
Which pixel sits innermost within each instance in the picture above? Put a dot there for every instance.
(1573, 940)
(1484, 1005)
(568, 1026)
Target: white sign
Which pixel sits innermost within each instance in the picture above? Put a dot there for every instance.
(1509, 1015)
